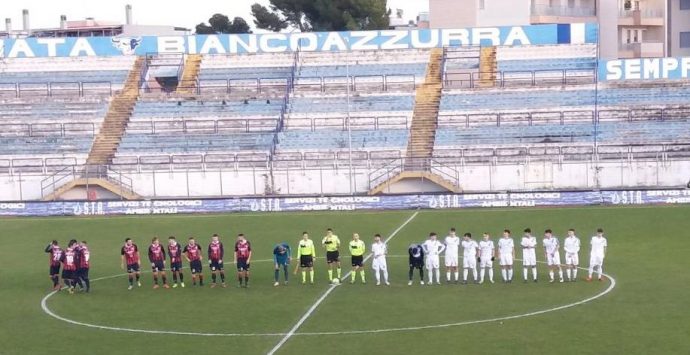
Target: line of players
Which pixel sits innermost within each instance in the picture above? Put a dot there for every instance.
(485, 252)
(75, 259)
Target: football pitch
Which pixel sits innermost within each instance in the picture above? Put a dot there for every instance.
(646, 311)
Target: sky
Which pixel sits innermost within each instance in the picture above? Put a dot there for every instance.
(185, 13)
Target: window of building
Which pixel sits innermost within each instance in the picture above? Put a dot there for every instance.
(685, 40)
(627, 5)
(481, 4)
(685, 4)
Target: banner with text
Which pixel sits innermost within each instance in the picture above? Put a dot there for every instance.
(645, 69)
(348, 203)
(289, 42)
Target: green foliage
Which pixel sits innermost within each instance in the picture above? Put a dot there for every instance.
(219, 23)
(322, 15)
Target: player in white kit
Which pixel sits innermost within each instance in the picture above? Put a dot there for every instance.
(487, 253)
(452, 242)
(470, 250)
(571, 247)
(596, 259)
(432, 249)
(506, 254)
(379, 251)
(529, 254)
(552, 254)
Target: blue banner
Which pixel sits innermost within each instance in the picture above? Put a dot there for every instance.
(644, 69)
(308, 41)
(346, 203)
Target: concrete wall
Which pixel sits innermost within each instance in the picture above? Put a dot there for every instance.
(607, 12)
(453, 13)
(504, 13)
(535, 176)
(679, 21)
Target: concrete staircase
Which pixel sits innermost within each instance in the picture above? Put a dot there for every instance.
(190, 74)
(425, 116)
(417, 165)
(487, 67)
(90, 183)
(116, 119)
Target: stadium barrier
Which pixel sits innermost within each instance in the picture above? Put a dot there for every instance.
(346, 203)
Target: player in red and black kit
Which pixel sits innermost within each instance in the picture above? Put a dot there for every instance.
(69, 266)
(55, 256)
(83, 265)
(157, 260)
(192, 252)
(215, 260)
(243, 256)
(175, 252)
(130, 256)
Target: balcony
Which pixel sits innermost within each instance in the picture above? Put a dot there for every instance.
(642, 17)
(541, 13)
(648, 49)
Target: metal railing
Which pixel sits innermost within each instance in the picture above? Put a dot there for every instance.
(47, 129)
(521, 78)
(54, 89)
(574, 11)
(88, 172)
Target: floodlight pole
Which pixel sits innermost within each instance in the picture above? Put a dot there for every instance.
(349, 129)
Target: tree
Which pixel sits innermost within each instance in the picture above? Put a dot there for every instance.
(220, 23)
(322, 15)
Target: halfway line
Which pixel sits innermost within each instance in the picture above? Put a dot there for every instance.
(328, 292)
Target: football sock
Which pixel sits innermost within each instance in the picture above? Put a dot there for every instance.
(222, 277)
(362, 274)
(534, 273)
(276, 274)
(567, 272)
(138, 276)
(481, 274)
(447, 275)
(165, 279)
(131, 280)
(491, 274)
(181, 277)
(213, 278)
(174, 277)
(474, 274)
(504, 273)
(311, 275)
(246, 280)
(575, 272)
(88, 283)
(524, 273)
(239, 279)
(385, 276)
(353, 274)
(378, 276)
(410, 273)
(56, 281)
(560, 273)
(464, 274)
(304, 276)
(551, 274)
(285, 271)
(330, 274)
(510, 274)
(340, 272)
(155, 280)
(438, 275)
(591, 271)
(201, 279)
(421, 274)
(601, 270)
(81, 285)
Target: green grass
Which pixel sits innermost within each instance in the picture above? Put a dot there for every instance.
(645, 313)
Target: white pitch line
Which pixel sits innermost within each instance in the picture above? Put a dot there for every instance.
(316, 304)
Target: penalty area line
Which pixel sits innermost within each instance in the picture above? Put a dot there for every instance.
(330, 289)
